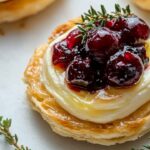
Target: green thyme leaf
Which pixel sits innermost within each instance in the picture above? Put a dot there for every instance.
(93, 11)
(82, 29)
(124, 10)
(128, 9)
(5, 125)
(117, 8)
(92, 18)
(103, 10)
(1, 118)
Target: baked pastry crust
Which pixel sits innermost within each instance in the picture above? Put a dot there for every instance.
(63, 123)
(12, 10)
(144, 4)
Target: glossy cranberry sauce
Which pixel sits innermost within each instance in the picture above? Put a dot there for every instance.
(112, 55)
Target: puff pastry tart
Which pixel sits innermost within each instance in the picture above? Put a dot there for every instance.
(12, 10)
(91, 81)
(144, 4)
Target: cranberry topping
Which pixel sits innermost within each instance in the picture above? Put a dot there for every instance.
(74, 38)
(62, 55)
(132, 29)
(109, 55)
(100, 43)
(82, 74)
(110, 23)
(100, 80)
(139, 50)
(124, 69)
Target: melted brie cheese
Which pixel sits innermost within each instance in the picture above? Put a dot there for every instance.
(101, 107)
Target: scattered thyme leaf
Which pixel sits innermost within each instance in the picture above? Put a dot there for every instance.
(5, 125)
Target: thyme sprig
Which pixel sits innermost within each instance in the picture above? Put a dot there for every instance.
(94, 18)
(5, 125)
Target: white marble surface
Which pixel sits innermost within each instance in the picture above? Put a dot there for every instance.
(16, 47)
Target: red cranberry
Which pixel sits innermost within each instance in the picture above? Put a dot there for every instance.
(132, 29)
(74, 38)
(110, 23)
(97, 23)
(79, 73)
(139, 50)
(62, 56)
(59, 57)
(100, 42)
(100, 80)
(124, 69)
(120, 24)
(83, 75)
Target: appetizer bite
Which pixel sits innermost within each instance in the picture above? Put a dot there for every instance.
(12, 10)
(91, 81)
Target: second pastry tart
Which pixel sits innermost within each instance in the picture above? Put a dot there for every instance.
(12, 10)
(91, 81)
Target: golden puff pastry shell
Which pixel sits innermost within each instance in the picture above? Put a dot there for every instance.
(65, 124)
